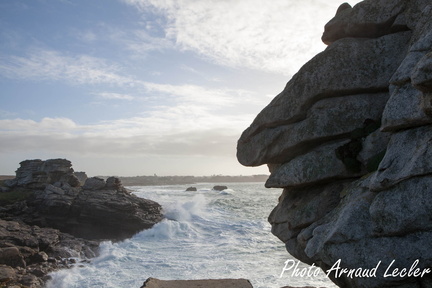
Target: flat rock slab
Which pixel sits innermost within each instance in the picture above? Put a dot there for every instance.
(208, 283)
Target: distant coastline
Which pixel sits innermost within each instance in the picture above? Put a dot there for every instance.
(187, 180)
(178, 180)
(4, 177)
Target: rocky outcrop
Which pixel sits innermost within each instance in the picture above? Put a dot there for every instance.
(82, 177)
(348, 139)
(37, 173)
(29, 253)
(97, 210)
(45, 208)
(219, 187)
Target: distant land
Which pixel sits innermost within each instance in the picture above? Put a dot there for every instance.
(177, 180)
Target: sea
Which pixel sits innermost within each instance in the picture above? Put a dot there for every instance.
(207, 234)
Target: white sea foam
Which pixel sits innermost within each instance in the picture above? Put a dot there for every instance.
(206, 234)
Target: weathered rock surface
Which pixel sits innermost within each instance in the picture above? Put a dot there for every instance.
(37, 173)
(29, 253)
(327, 120)
(311, 168)
(97, 210)
(349, 141)
(47, 194)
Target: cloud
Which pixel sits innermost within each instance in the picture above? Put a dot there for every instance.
(276, 36)
(51, 65)
(85, 36)
(46, 125)
(193, 94)
(194, 123)
(114, 96)
(141, 42)
(135, 136)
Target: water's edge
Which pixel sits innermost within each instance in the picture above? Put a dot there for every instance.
(207, 234)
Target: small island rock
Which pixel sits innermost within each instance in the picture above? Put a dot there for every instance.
(219, 188)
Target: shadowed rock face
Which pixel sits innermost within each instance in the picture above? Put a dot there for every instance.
(28, 253)
(349, 141)
(37, 173)
(98, 209)
(49, 194)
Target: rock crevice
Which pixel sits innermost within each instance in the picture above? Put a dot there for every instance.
(355, 193)
(58, 200)
(50, 212)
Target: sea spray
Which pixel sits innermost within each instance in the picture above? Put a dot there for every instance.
(206, 234)
(183, 212)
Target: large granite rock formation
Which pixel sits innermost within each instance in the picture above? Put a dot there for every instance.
(98, 209)
(349, 141)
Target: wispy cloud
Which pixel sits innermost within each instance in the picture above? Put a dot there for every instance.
(51, 65)
(114, 96)
(246, 33)
(156, 134)
(193, 94)
(141, 42)
(46, 125)
(194, 122)
(85, 36)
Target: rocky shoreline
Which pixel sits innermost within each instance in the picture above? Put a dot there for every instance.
(29, 253)
(50, 219)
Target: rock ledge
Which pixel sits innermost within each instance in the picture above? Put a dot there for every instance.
(348, 140)
(47, 213)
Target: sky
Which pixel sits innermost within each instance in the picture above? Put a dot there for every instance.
(144, 87)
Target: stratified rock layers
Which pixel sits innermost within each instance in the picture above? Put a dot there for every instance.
(97, 210)
(349, 141)
(48, 194)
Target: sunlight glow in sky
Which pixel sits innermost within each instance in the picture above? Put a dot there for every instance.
(137, 87)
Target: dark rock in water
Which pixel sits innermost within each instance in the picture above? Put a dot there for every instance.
(29, 253)
(208, 283)
(351, 192)
(97, 210)
(103, 211)
(191, 189)
(48, 194)
(219, 188)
